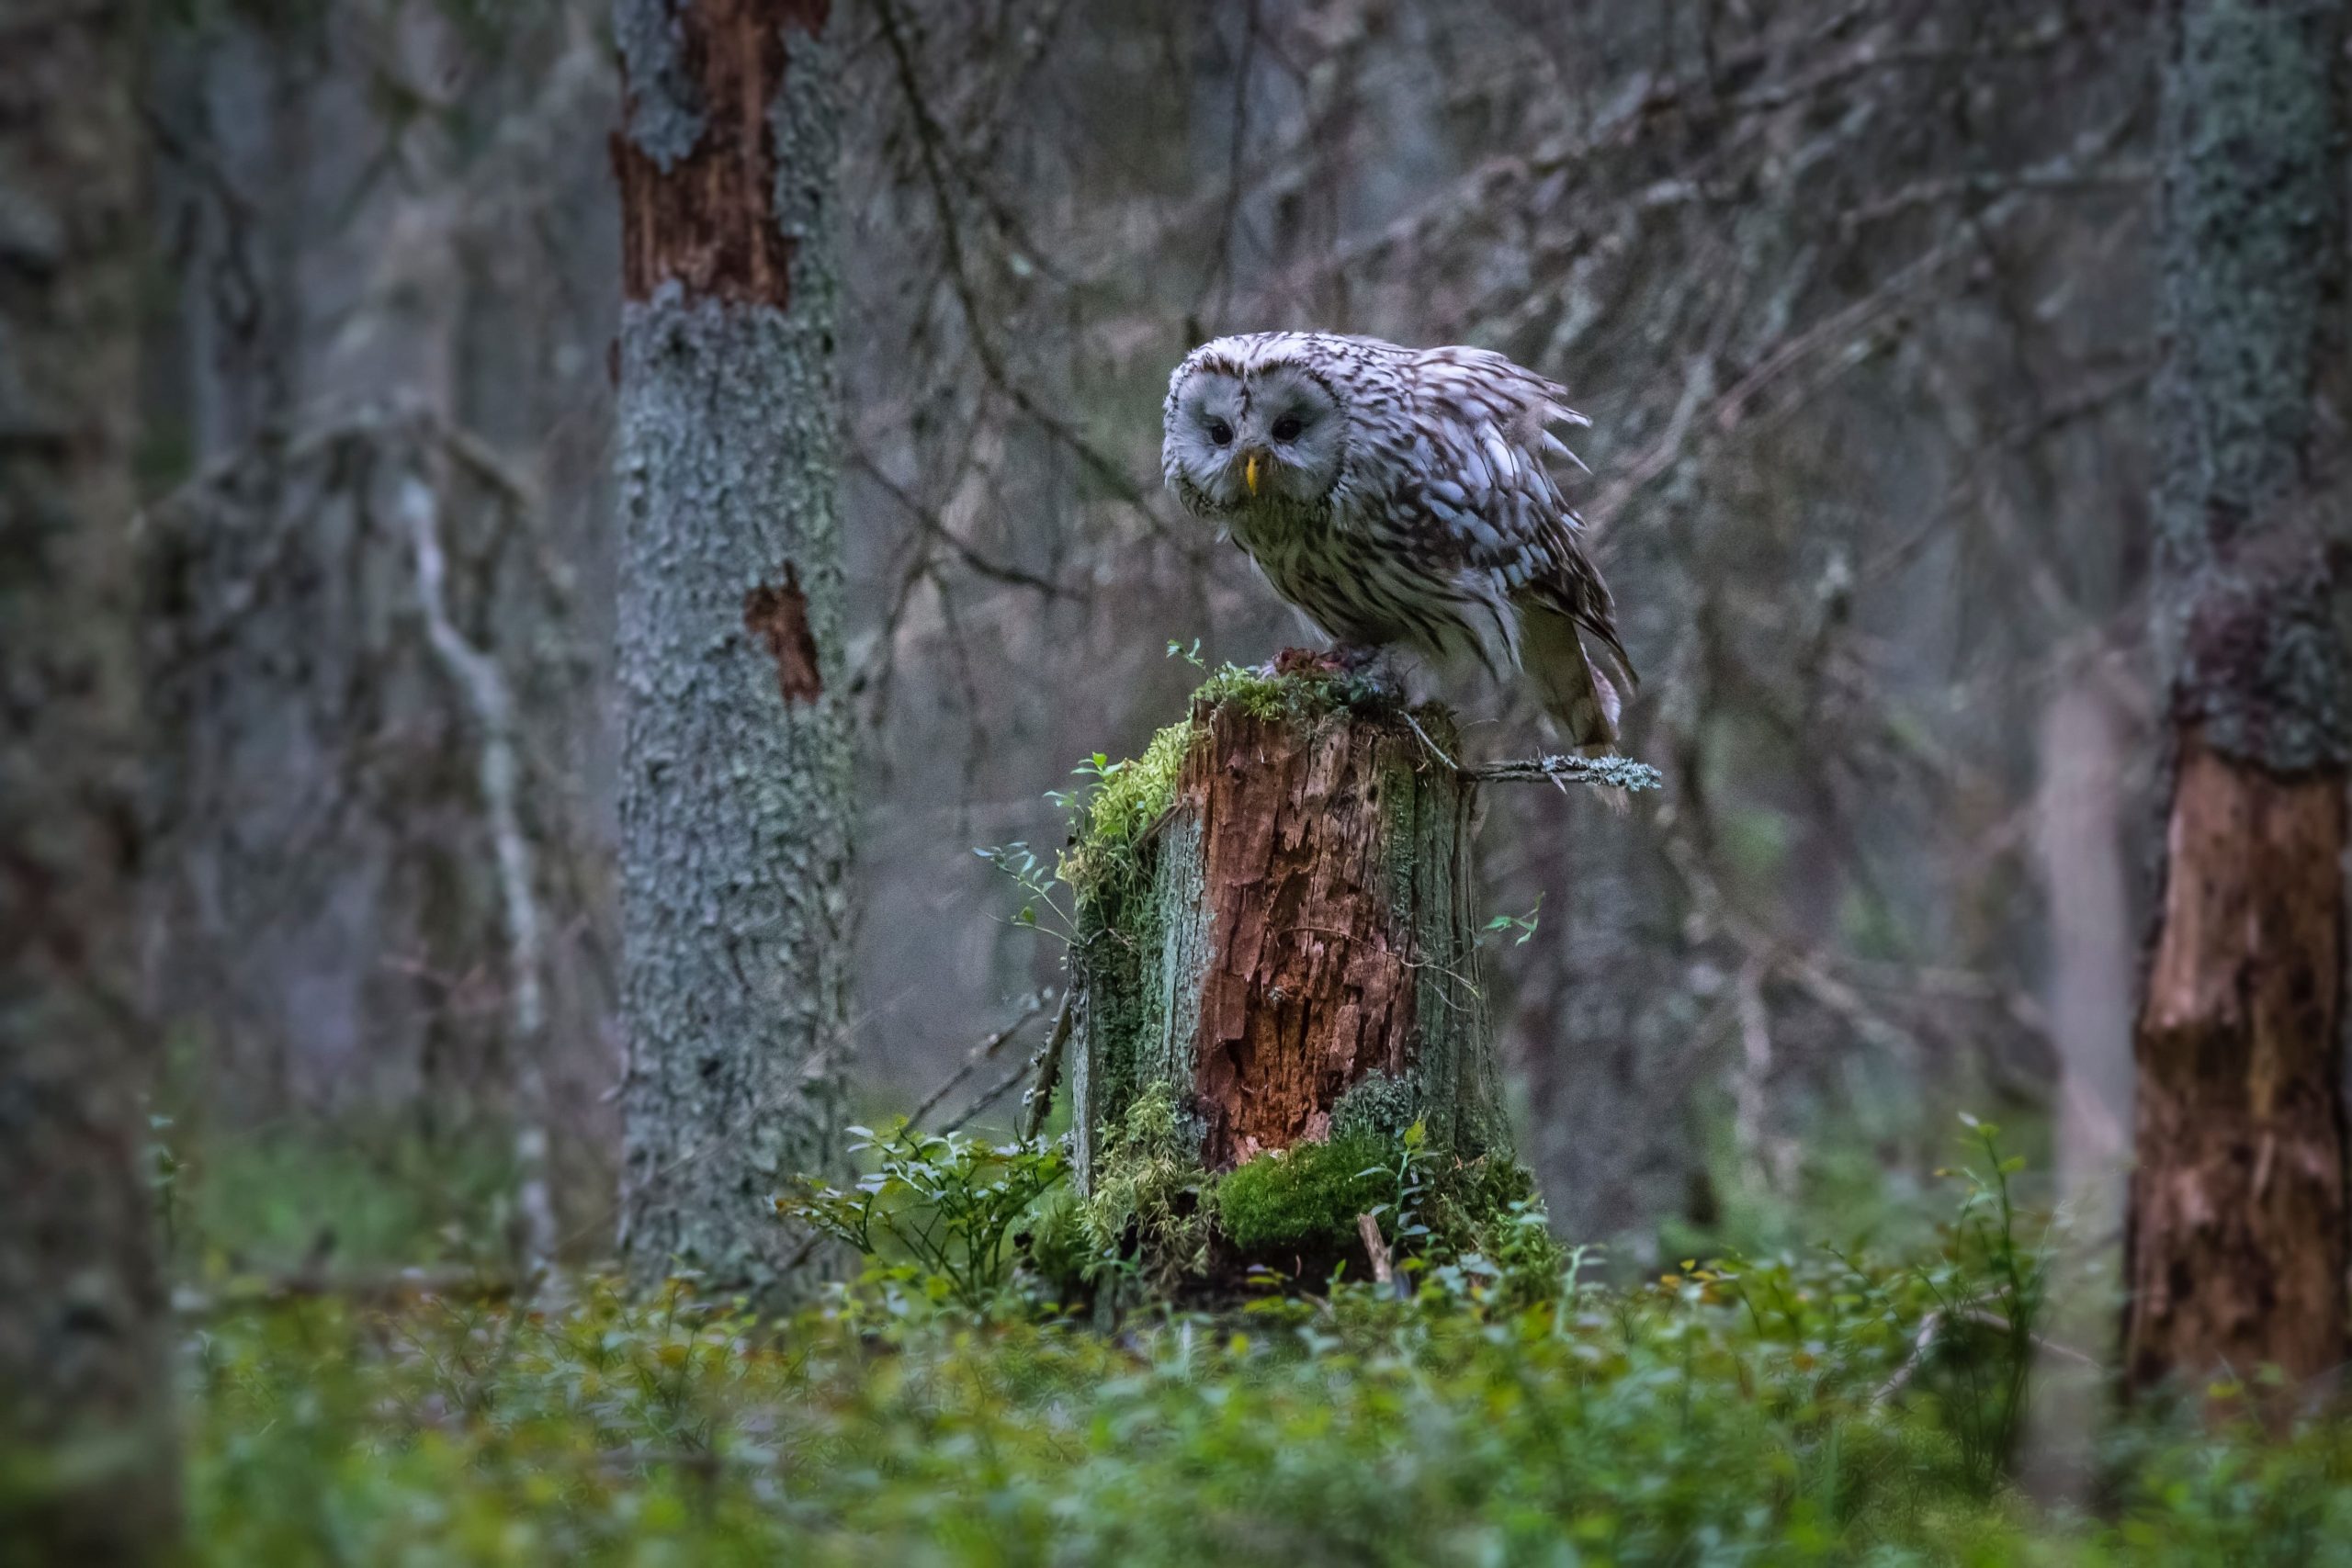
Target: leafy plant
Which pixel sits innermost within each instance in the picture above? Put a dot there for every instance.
(1523, 924)
(1990, 1285)
(1041, 907)
(945, 1202)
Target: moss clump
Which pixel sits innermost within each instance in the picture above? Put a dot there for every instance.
(1376, 1106)
(1261, 695)
(1307, 1196)
(1147, 1192)
(1100, 862)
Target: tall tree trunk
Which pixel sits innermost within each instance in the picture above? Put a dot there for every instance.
(735, 797)
(2237, 1232)
(87, 1470)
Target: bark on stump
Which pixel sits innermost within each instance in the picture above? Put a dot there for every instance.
(1287, 940)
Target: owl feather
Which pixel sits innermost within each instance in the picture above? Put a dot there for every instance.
(1405, 497)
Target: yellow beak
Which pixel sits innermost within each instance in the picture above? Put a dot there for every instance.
(1249, 473)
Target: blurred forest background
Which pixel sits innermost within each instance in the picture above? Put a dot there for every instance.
(1859, 298)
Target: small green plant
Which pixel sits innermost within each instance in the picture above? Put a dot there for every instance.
(945, 1202)
(1041, 908)
(1523, 924)
(1989, 1287)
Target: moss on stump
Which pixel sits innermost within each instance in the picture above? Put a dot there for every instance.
(1276, 943)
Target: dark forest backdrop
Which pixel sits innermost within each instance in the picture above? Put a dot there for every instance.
(1859, 298)
(1871, 303)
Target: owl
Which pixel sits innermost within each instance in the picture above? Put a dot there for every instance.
(1401, 498)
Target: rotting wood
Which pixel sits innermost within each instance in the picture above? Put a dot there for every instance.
(2238, 1253)
(1296, 925)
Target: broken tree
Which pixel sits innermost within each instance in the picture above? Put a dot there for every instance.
(1276, 937)
(2236, 1242)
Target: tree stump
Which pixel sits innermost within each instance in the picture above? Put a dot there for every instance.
(1276, 924)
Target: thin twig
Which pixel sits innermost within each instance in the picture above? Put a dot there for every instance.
(988, 1096)
(975, 1056)
(1049, 1067)
(1606, 773)
(482, 684)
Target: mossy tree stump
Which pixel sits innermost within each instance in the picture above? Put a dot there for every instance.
(1275, 923)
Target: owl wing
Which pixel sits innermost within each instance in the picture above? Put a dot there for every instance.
(1482, 431)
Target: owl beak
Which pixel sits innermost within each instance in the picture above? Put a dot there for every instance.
(1250, 466)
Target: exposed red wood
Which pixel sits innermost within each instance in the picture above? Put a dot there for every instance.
(1310, 982)
(708, 221)
(779, 618)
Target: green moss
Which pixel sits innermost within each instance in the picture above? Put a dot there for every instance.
(1147, 1191)
(1261, 695)
(1309, 1195)
(1102, 860)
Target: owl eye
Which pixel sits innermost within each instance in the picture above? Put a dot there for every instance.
(1287, 427)
(1221, 432)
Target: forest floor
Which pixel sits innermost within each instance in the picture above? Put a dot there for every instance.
(1821, 1405)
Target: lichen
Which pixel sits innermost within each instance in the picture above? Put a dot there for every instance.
(666, 112)
(2250, 246)
(1307, 1196)
(1376, 1106)
(1145, 1205)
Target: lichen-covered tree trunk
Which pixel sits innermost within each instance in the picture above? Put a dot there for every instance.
(2237, 1245)
(87, 1468)
(735, 798)
(1288, 943)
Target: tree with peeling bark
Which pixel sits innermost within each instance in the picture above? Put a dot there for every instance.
(735, 800)
(2236, 1241)
(88, 1471)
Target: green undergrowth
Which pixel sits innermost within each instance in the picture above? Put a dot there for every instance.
(1812, 1406)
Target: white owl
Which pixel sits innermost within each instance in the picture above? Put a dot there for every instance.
(1401, 496)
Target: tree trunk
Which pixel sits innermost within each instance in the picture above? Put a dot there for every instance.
(88, 1470)
(1291, 937)
(735, 837)
(2237, 1237)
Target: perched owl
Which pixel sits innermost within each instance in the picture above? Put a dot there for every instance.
(1401, 496)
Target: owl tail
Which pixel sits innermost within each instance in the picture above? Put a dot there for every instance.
(1577, 693)
(1581, 699)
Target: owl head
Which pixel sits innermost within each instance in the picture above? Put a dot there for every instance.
(1252, 422)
